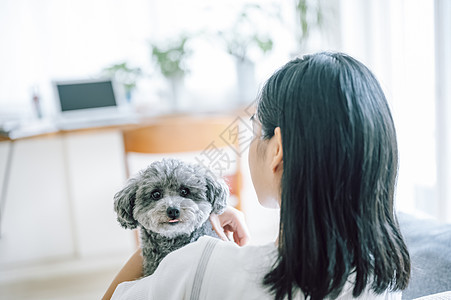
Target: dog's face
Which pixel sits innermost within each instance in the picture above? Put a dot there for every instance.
(170, 198)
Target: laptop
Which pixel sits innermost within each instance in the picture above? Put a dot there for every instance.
(90, 103)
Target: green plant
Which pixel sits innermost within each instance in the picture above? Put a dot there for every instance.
(243, 36)
(310, 14)
(125, 75)
(171, 59)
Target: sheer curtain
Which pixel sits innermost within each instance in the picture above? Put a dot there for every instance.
(443, 90)
(397, 40)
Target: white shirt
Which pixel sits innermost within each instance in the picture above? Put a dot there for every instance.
(231, 272)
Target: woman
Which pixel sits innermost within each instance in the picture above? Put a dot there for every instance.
(325, 151)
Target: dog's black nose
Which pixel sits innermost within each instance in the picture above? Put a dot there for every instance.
(173, 212)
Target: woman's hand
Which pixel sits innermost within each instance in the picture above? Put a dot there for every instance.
(231, 222)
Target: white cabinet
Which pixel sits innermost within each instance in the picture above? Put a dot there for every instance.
(59, 200)
(35, 222)
(96, 171)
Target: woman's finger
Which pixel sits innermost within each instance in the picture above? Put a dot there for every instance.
(216, 224)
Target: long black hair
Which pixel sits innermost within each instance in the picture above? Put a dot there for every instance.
(340, 162)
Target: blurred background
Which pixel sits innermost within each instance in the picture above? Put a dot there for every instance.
(58, 235)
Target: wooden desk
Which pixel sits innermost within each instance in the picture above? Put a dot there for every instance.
(245, 112)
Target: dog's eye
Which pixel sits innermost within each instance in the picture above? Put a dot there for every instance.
(156, 195)
(184, 192)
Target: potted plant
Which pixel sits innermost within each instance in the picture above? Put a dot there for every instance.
(125, 75)
(171, 62)
(243, 37)
(244, 41)
(309, 15)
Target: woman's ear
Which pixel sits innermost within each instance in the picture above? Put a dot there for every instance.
(276, 151)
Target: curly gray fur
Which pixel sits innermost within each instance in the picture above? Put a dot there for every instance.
(155, 246)
(189, 189)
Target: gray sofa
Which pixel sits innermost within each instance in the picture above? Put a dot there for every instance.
(429, 244)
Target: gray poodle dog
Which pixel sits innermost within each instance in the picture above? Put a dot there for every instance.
(171, 202)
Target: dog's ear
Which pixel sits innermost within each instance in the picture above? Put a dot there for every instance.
(217, 192)
(124, 202)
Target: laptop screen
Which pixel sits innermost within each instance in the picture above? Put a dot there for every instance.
(86, 95)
